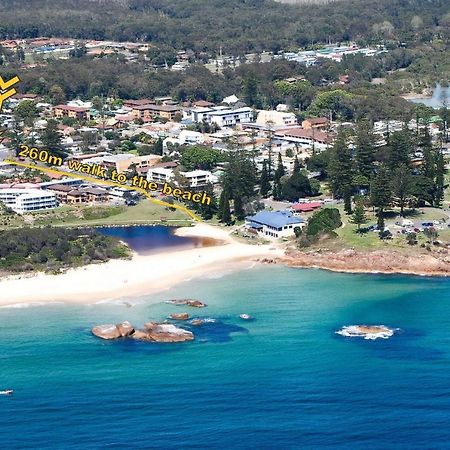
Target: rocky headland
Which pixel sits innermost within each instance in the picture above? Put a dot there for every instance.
(376, 261)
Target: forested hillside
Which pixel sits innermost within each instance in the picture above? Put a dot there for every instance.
(237, 25)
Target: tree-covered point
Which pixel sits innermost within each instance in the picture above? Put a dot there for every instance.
(237, 25)
(51, 249)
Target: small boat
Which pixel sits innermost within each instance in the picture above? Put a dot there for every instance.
(245, 317)
(6, 392)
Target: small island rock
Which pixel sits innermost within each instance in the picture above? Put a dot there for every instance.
(188, 302)
(196, 322)
(181, 316)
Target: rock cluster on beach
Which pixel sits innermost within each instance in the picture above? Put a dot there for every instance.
(151, 332)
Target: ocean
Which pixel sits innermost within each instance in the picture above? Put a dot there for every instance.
(282, 381)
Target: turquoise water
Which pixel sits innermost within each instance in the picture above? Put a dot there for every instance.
(283, 381)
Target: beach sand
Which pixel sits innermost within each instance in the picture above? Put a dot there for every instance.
(141, 275)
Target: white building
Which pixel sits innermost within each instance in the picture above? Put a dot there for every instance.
(223, 116)
(159, 175)
(196, 178)
(27, 200)
(274, 224)
(191, 137)
(231, 117)
(276, 118)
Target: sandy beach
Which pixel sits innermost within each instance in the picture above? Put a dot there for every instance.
(139, 276)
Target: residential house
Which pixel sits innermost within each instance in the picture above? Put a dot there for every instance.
(95, 195)
(299, 208)
(318, 123)
(302, 136)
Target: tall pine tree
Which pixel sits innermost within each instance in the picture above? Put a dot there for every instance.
(264, 183)
(224, 214)
(365, 150)
(340, 171)
(380, 195)
(280, 169)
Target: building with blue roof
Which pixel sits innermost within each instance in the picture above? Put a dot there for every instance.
(274, 224)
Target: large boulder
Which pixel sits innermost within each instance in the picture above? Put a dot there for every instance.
(164, 332)
(125, 328)
(106, 331)
(112, 331)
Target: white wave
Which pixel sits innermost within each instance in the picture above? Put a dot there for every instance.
(128, 303)
(30, 305)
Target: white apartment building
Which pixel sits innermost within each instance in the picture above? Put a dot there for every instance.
(26, 200)
(159, 175)
(223, 116)
(196, 178)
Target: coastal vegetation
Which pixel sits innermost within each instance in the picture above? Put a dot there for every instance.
(51, 249)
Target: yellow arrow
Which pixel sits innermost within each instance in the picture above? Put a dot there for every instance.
(7, 84)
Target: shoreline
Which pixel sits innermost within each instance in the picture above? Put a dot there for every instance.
(142, 275)
(159, 271)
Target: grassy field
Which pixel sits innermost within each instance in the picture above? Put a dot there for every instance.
(370, 240)
(145, 212)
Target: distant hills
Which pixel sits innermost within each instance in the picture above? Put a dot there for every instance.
(237, 26)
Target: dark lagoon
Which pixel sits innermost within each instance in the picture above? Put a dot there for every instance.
(148, 239)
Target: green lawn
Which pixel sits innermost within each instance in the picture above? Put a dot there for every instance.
(145, 212)
(370, 240)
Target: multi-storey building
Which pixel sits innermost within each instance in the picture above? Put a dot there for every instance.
(26, 200)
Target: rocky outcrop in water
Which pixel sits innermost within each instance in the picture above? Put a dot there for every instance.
(152, 332)
(188, 302)
(371, 332)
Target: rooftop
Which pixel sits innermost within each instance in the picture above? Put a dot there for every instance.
(276, 219)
